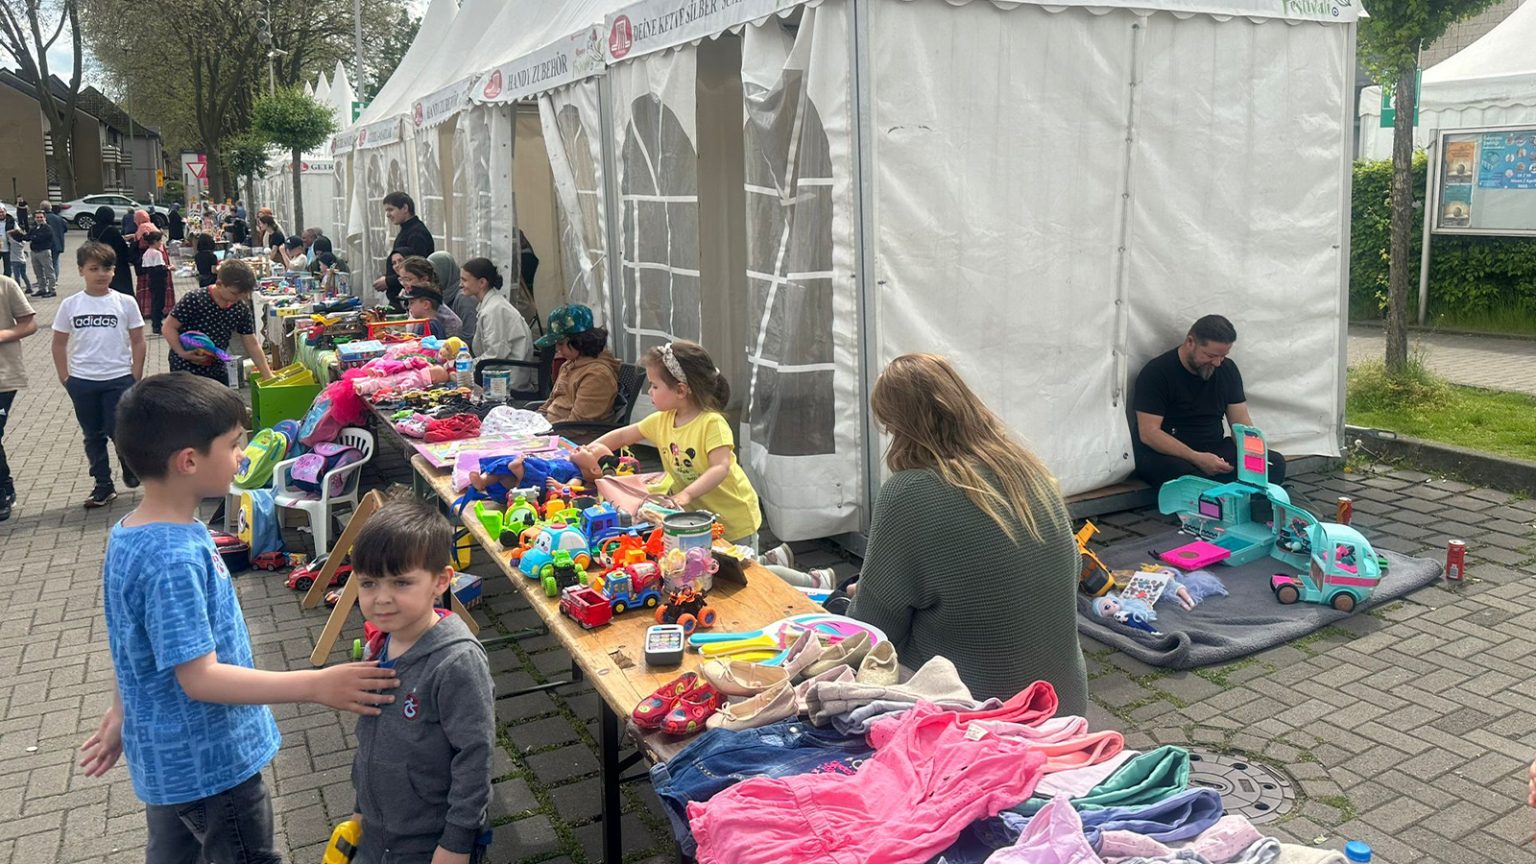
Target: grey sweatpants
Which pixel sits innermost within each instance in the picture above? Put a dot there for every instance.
(42, 268)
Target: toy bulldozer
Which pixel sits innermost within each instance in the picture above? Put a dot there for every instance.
(1096, 580)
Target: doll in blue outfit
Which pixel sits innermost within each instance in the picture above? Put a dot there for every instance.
(499, 475)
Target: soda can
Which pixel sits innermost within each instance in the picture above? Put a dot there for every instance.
(1346, 510)
(1456, 560)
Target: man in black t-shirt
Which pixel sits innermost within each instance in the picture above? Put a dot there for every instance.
(1181, 398)
(414, 239)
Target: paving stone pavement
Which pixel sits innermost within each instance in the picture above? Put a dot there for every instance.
(1491, 362)
(1409, 726)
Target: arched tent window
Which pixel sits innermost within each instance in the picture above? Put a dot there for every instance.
(429, 203)
(660, 226)
(373, 193)
(792, 407)
(471, 186)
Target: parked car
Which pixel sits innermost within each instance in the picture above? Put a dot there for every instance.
(81, 212)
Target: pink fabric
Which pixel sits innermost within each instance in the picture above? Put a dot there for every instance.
(1053, 836)
(411, 379)
(1220, 843)
(1076, 782)
(1029, 707)
(930, 779)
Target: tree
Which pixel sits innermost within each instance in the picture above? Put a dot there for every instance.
(1391, 38)
(382, 62)
(245, 155)
(294, 121)
(23, 24)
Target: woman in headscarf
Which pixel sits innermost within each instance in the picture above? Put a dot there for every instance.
(106, 231)
(136, 247)
(460, 302)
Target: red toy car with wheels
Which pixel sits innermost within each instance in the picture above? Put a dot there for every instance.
(585, 606)
(302, 578)
(270, 561)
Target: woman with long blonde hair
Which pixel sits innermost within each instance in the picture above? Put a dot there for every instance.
(971, 553)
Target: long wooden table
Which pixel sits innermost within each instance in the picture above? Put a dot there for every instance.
(613, 656)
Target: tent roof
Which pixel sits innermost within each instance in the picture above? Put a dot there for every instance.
(425, 53)
(342, 95)
(1498, 69)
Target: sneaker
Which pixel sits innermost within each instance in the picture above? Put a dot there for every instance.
(7, 498)
(101, 496)
(780, 555)
(825, 578)
(130, 479)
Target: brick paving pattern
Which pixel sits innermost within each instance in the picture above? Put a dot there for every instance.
(1409, 727)
(1491, 362)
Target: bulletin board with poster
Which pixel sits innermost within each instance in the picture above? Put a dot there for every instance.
(1484, 181)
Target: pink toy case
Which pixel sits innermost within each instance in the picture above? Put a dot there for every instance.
(1193, 556)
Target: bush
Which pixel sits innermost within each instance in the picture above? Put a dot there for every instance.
(1372, 389)
(1472, 280)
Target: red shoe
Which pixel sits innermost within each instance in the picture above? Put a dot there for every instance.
(655, 707)
(689, 713)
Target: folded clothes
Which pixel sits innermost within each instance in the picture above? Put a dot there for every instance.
(936, 682)
(1222, 843)
(1146, 779)
(1076, 782)
(1054, 836)
(1028, 707)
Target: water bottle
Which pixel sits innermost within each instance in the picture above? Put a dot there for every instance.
(1356, 850)
(464, 369)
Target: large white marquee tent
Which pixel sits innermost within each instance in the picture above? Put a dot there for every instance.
(1048, 194)
(1491, 82)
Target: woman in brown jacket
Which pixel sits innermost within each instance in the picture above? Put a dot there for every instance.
(589, 377)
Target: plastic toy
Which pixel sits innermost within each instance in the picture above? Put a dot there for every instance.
(553, 537)
(599, 522)
(621, 551)
(585, 606)
(343, 845)
(664, 645)
(1195, 555)
(1136, 614)
(687, 608)
(1252, 518)
(520, 511)
(693, 570)
(270, 561)
(562, 572)
(635, 585)
(302, 578)
(1096, 579)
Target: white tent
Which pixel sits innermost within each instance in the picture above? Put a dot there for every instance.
(1048, 194)
(1491, 82)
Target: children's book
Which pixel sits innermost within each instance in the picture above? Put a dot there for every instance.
(1146, 587)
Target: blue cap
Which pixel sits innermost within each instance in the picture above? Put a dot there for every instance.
(1356, 850)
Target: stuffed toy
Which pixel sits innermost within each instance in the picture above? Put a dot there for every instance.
(197, 340)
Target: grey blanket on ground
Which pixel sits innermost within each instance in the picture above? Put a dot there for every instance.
(1223, 629)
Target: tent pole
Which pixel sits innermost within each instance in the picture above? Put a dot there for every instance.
(1431, 210)
(1346, 200)
(611, 224)
(864, 233)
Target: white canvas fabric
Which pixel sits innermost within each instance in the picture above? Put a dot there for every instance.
(571, 120)
(802, 437)
(429, 187)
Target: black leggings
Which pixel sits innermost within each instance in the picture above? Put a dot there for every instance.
(1156, 468)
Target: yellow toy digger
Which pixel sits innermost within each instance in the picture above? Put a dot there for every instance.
(1096, 580)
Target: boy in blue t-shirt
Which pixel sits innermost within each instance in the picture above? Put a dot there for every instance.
(189, 708)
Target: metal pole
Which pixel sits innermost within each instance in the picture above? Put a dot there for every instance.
(1431, 210)
(357, 47)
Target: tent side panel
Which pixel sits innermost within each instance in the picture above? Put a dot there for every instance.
(998, 200)
(571, 123)
(1237, 209)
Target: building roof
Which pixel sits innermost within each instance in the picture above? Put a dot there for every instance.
(91, 101)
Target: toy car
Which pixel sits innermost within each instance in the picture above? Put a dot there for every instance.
(685, 607)
(302, 578)
(551, 538)
(621, 550)
(562, 572)
(635, 585)
(585, 606)
(270, 561)
(1342, 572)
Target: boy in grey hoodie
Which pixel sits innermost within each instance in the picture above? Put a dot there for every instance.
(423, 767)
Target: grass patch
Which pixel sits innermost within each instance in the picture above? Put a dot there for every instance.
(1419, 405)
(1221, 676)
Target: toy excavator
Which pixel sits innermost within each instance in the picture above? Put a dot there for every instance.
(1096, 580)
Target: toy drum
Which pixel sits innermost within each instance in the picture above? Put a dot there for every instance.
(1346, 510)
(687, 530)
(1456, 560)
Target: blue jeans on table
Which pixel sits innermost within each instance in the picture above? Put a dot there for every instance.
(719, 759)
(232, 827)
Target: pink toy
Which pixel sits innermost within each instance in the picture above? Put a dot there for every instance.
(410, 379)
(1193, 556)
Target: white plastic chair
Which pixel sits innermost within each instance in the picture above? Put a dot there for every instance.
(320, 507)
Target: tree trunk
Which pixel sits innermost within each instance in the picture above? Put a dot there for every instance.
(1400, 259)
(298, 195)
(250, 193)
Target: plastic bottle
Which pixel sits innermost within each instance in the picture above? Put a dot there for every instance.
(1356, 850)
(464, 369)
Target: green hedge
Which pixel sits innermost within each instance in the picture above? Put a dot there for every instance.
(1473, 281)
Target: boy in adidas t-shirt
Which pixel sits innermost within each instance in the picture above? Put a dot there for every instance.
(98, 351)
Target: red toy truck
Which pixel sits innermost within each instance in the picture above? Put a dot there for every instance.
(585, 606)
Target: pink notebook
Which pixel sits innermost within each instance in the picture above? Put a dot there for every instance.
(1193, 556)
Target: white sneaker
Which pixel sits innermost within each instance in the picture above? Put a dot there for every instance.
(780, 555)
(825, 577)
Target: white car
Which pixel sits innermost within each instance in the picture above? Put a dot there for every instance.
(81, 212)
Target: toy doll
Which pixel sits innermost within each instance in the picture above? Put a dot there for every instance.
(1130, 612)
(499, 475)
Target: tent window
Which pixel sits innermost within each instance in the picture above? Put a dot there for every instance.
(661, 227)
(789, 254)
(578, 151)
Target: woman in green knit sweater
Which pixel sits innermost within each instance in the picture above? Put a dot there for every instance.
(971, 553)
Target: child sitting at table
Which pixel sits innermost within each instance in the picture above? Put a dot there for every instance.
(422, 771)
(424, 299)
(694, 438)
